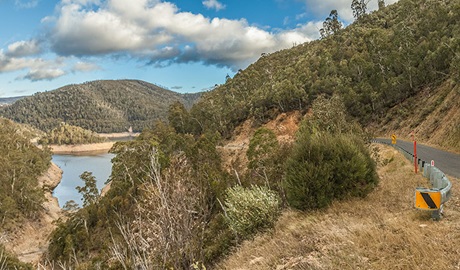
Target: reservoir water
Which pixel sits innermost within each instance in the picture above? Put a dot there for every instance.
(73, 166)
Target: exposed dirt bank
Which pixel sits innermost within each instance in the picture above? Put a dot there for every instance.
(118, 135)
(30, 241)
(82, 148)
(92, 148)
(234, 150)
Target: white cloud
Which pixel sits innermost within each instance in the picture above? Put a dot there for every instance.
(23, 48)
(26, 4)
(8, 63)
(160, 34)
(38, 68)
(43, 74)
(82, 2)
(85, 67)
(213, 4)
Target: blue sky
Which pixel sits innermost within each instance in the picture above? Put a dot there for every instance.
(183, 45)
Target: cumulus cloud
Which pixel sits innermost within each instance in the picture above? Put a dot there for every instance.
(23, 48)
(8, 63)
(44, 74)
(213, 4)
(85, 67)
(159, 33)
(38, 68)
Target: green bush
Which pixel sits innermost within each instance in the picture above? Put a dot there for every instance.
(324, 167)
(250, 209)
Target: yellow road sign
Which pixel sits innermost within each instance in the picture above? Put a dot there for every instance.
(427, 199)
(393, 139)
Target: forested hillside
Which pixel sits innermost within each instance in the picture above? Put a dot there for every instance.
(378, 62)
(100, 106)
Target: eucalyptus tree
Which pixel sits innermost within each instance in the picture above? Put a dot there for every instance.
(331, 25)
(359, 8)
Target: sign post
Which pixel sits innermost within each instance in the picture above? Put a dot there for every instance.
(427, 199)
(415, 155)
(415, 150)
(393, 139)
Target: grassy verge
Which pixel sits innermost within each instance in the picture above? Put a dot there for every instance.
(382, 231)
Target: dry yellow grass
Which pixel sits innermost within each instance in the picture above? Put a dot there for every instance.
(381, 231)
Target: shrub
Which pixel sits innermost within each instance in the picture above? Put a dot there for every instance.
(250, 209)
(324, 167)
(8, 261)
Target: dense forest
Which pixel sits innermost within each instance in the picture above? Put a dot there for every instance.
(100, 106)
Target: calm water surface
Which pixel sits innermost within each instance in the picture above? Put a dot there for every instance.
(73, 166)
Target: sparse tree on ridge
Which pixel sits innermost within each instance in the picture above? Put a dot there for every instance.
(359, 8)
(331, 25)
(381, 4)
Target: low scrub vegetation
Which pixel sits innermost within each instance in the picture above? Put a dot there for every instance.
(8, 261)
(249, 210)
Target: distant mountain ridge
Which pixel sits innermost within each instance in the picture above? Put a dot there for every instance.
(101, 106)
(9, 100)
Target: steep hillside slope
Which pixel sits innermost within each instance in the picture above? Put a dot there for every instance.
(26, 203)
(101, 106)
(433, 115)
(378, 62)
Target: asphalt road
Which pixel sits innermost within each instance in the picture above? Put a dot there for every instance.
(447, 162)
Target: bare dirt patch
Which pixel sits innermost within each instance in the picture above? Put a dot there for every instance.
(234, 150)
(82, 148)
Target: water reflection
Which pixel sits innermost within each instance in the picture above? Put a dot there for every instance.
(73, 166)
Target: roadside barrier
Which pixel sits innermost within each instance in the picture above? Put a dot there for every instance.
(431, 199)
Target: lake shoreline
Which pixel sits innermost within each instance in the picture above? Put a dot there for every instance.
(76, 149)
(91, 148)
